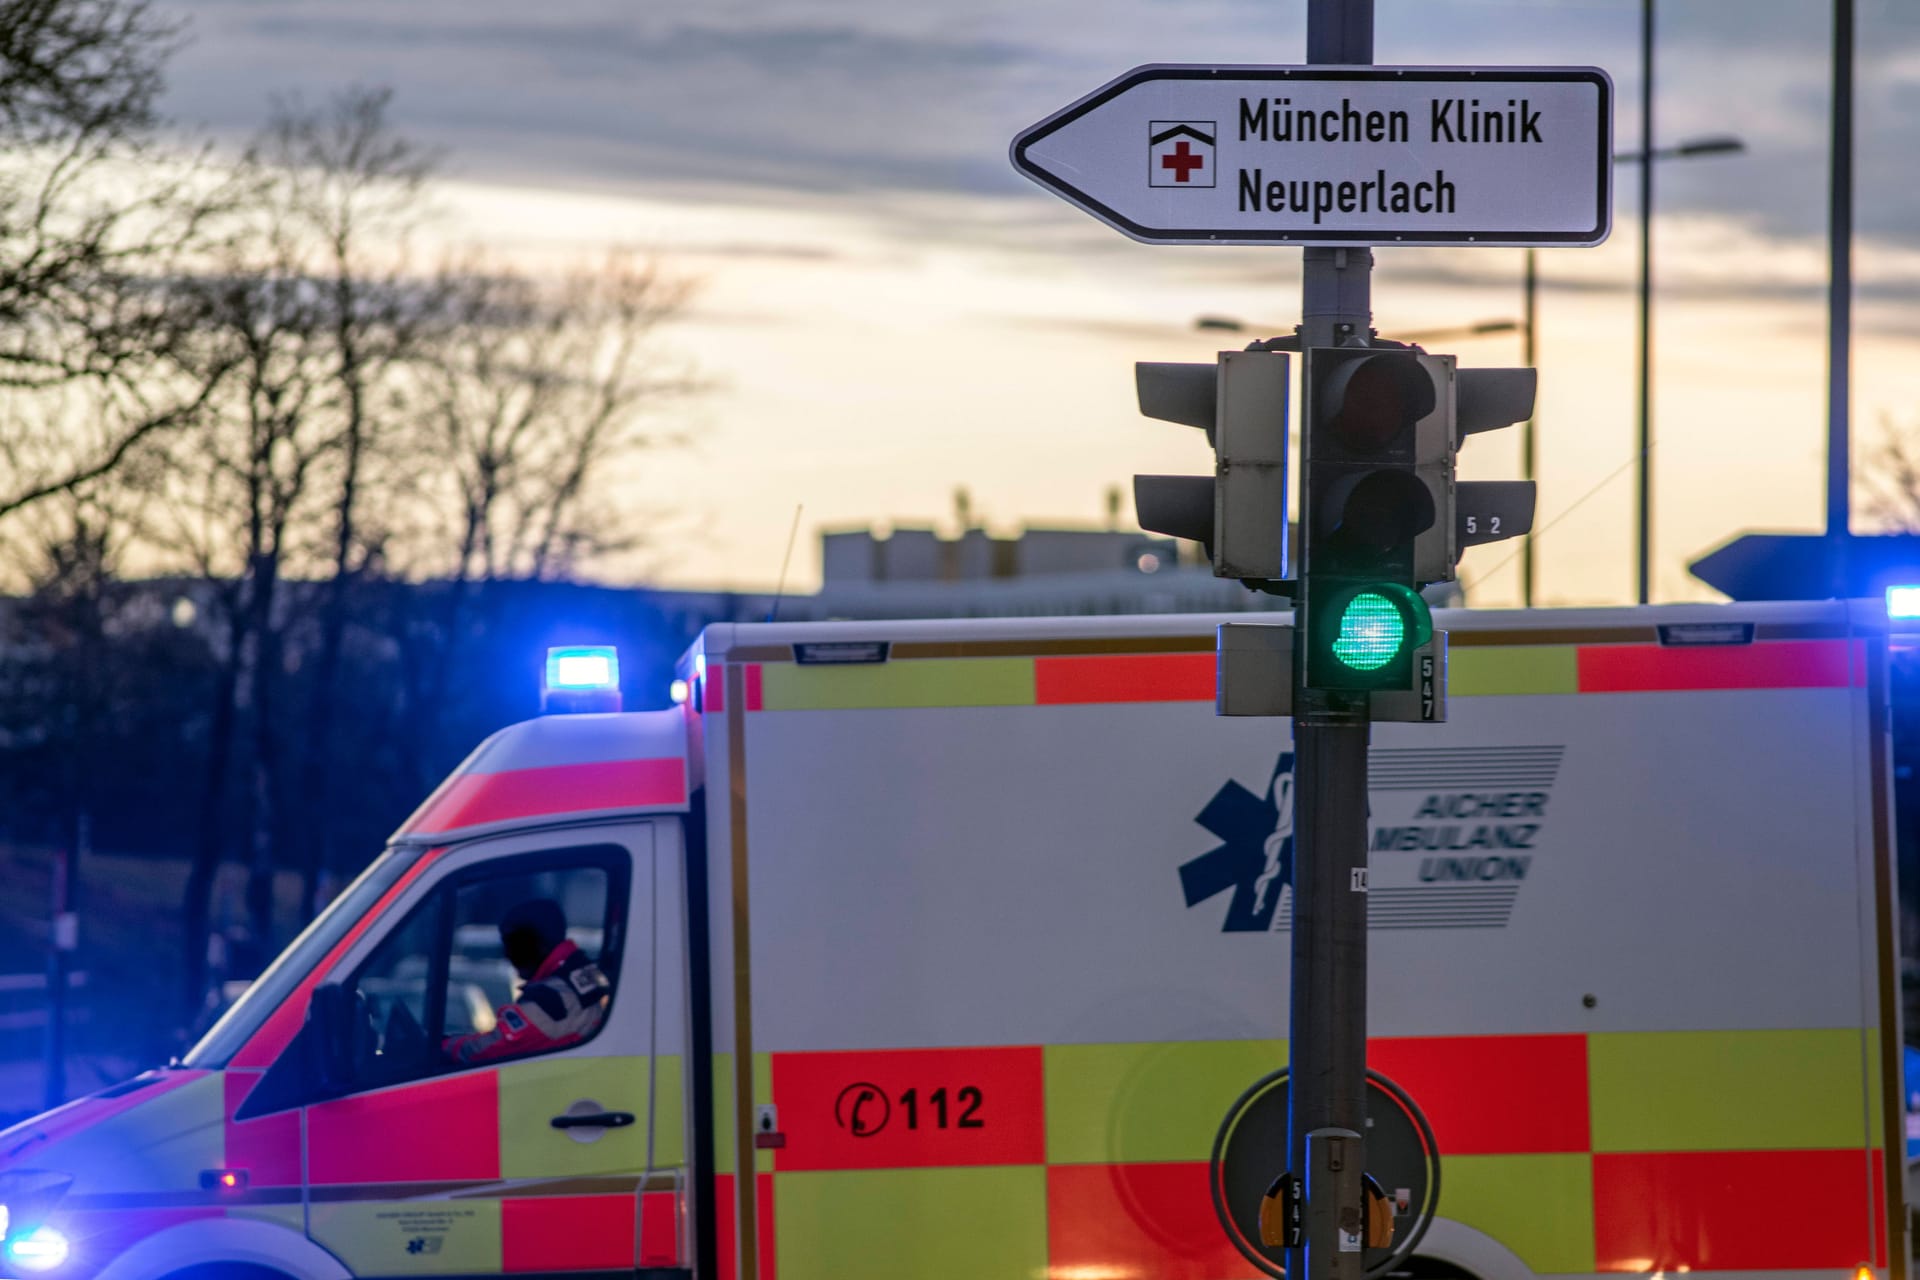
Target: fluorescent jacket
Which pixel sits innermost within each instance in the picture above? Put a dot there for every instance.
(562, 1004)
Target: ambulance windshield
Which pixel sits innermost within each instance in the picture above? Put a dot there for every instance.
(284, 975)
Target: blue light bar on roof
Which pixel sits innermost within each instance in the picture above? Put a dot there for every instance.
(1903, 602)
(583, 668)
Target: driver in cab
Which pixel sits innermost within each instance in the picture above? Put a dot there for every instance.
(564, 998)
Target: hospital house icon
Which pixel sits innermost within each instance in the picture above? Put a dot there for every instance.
(1180, 153)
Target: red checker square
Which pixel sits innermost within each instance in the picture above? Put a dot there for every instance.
(1735, 1210)
(1139, 1220)
(1493, 1095)
(911, 1108)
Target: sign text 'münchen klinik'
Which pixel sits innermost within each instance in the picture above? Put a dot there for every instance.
(1450, 120)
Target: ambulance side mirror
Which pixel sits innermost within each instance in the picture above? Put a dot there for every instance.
(329, 1036)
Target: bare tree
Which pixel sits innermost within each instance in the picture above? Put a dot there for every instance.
(1891, 477)
(98, 698)
(349, 189)
(534, 395)
(314, 308)
(69, 64)
(538, 391)
(247, 489)
(97, 217)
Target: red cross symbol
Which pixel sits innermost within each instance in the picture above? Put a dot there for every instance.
(1183, 162)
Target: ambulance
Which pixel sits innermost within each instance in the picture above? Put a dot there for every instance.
(959, 950)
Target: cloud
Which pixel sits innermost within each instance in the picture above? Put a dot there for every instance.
(860, 98)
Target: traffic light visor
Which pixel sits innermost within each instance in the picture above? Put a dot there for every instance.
(1377, 398)
(1178, 506)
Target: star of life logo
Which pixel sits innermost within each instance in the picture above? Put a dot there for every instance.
(1254, 859)
(1470, 818)
(1180, 153)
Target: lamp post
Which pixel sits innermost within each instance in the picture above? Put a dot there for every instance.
(1840, 298)
(1644, 501)
(1711, 146)
(1644, 157)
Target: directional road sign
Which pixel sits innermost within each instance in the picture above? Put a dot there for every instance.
(1790, 566)
(1337, 155)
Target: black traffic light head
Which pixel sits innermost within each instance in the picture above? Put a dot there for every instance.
(1240, 512)
(1374, 456)
(1367, 498)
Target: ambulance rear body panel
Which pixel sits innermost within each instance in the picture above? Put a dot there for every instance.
(1631, 947)
(967, 952)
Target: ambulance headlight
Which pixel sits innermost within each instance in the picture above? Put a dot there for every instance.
(27, 1196)
(42, 1249)
(1903, 603)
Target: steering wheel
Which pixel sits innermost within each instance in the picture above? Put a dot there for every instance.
(405, 1040)
(365, 1041)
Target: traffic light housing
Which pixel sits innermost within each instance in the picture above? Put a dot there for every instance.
(1489, 510)
(1239, 514)
(1383, 513)
(1374, 459)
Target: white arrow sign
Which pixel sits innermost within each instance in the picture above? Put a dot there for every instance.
(1337, 155)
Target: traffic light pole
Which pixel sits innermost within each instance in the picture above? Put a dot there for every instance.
(1328, 1022)
(1328, 1026)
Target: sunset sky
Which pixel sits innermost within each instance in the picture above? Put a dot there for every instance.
(887, 312)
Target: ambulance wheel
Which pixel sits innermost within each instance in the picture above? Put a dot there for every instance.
(226, 1271)
(1419, 1268)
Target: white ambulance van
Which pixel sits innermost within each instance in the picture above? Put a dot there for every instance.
(959, 949)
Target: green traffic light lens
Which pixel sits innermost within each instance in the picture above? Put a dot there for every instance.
(1372, 632)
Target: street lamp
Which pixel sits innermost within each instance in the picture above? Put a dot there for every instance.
(1718, 144)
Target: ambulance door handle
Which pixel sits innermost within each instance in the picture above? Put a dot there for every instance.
(595, 1120)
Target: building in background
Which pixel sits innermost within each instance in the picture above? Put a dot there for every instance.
(921, 573)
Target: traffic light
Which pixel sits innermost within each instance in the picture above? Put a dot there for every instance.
(1375, 460)
(1240, 512)
(1383, 513)
(1489, 510)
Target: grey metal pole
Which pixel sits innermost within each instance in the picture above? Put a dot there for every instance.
(1528, 456)
(1645, 498)
(1327, 1027)
(1840, 296)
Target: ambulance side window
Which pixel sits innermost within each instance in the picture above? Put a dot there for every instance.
(390, 991)
(480, 978)
(435, 995)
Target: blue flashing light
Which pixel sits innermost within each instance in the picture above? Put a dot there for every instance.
(1903, 602)
(42, 1249)
(583, 668)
